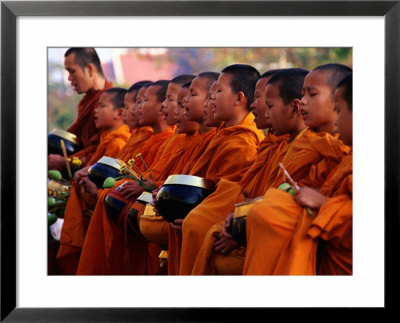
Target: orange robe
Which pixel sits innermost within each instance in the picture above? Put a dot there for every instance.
(137, 140)
(323, 245)
(75, 220)
(183, 166)
(84, 127)
(105, 251)
(253, 184)
(228, 156)
(272, 221)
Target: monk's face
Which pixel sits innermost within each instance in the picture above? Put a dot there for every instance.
(198, 93)
(182, 124)
(129, 106)
(138, 107)
(279, 114)
(151, 107)
(225, 98)
(81, 80)
(317, 102)
(344, 119)
(259, 107)
(209, 107)
(170, 103)
(105, 113)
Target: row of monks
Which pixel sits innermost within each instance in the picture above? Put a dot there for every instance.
(233, 128)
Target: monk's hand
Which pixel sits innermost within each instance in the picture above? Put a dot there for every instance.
(223, 244)
(307, 197)
(131, 189)
(56, 162)
(177, 226)
(154, 194)
(88, 186)
(226, 225)
(81, 173)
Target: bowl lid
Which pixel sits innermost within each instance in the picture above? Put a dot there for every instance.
(109, 161)
(145, 197)
(189, 180)
(65, 134)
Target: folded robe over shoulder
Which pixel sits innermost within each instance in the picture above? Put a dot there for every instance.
(228, 156)
(309, 160)
(135, 144)
(75, 223)
(330, 231)
(84, 127)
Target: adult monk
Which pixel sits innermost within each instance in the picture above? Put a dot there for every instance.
(86, 76)
(323, 245)
(109, 119)
(310, 158)
(228, 154)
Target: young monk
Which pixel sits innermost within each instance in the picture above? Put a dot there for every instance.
(86, 76)
(109, 259)
(139, 134)
(255, 182)
(308, 160)
(109, 119)
(194, 111)
(323, 245)
(228, 154)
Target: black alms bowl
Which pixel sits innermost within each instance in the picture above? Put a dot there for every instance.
(71, 142)
(180, 194)
(105, 167)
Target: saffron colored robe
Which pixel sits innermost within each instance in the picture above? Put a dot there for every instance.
(75, 219)
(271, 222)
(104, 251)
(253, 184)
(228, 156)
(135, 144)
(322, 244)
(84, 127)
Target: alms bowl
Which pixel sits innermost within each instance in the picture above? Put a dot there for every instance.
(180, 194)
(71, 142)
(105, 167)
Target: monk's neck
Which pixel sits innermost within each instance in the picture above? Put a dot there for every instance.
(99, 84)
(237, 119)
(203, 128)
(295, 133)
(160, 127)
(113, 128)
(328, 128)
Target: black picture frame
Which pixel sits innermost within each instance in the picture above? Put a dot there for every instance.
(10, 10)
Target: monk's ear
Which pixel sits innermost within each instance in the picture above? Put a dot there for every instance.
(296, 105)
(91, 69)
(120, 113)
(241, 98)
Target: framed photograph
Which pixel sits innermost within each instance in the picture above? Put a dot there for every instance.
(371, 28)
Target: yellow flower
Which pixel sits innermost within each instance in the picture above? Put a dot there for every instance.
(76, 161)
(130, 162)
(138, 155)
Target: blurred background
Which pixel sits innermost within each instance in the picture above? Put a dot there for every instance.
(125, 66)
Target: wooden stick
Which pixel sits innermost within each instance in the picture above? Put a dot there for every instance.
(294, 185)
(131, 172)
(289, 178)
(66, 159)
